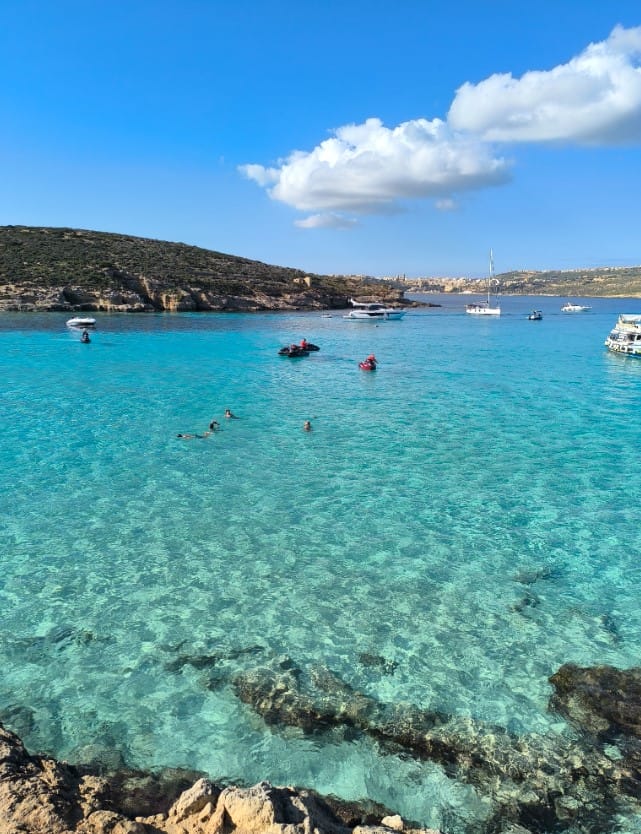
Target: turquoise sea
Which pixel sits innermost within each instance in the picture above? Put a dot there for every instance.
(456, 526)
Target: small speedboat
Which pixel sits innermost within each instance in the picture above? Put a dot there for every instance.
(368, 364)
(81, 322)
(575, 308)
(535, 315)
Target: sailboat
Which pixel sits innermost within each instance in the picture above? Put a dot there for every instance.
(485, 308)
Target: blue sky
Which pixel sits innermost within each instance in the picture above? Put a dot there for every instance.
(337, 136)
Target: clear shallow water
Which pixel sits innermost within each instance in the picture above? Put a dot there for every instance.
(469, 513)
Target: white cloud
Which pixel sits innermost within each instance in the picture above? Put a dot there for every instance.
(328, 220)
(263, 176)
(594, 99)
(367, 168)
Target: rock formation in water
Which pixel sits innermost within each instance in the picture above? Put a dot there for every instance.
(535, 783)
(604, 703)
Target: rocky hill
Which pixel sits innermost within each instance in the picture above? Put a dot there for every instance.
(77, 270)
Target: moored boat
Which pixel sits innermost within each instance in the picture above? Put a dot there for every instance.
(373, 312)
(535, 315)
(81, 322)
(486, 308)
(626, 335)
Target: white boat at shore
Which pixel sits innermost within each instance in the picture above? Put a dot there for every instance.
(626, 335)
(575, 308)
(485, 308)
(81, 322)
(373, 312)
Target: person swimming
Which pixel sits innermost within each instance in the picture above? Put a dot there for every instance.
(229, 415)
(188, 436)
(307, 426)
(214, 425)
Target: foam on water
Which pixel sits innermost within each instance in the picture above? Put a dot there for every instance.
(468, 515)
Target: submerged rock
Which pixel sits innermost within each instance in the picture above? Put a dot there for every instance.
(376, 661)
(604, 703)
(540, 783)
(603, 700)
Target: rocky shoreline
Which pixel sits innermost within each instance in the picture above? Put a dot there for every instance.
(142, 295)
(581, 782)
(39, 795)
(137, 294)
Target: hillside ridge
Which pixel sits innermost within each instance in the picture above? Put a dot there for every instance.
(73, 270)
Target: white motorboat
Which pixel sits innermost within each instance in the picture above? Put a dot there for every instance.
(535, 315)
(373, 312)
(486, 308)
(575, 308)
(626, 335)
(81, 321)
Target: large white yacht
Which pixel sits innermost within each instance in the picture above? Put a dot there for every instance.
(373, 312)
(626, 336)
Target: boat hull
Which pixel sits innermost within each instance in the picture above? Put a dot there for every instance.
(373, 311)
(482, 310)
(379, 315)
(81, 323)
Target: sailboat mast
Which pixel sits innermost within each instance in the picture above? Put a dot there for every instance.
(489, 280)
